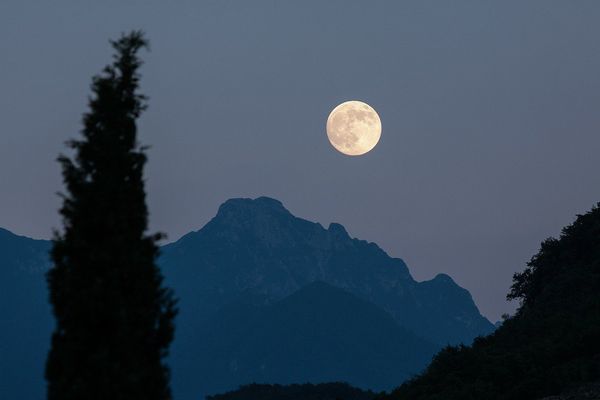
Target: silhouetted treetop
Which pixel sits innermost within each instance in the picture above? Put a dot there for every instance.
(114, 316)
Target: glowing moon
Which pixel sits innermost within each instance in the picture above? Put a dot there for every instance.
(353, 128)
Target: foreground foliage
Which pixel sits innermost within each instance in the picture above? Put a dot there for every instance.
(114, 316)
(551, 344)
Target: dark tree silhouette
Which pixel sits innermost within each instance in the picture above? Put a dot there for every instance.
(114, 316)
(550, 346)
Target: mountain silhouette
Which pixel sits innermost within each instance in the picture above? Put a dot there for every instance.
(26, 316)
(235, 276)
(318, 334)
(258, 244)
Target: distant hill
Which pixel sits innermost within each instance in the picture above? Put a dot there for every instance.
(318, 334)
(254, 255)
(551, 345)
(307, 391)
(26, 320)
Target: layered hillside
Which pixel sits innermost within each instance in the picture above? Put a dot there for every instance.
(318, 334)
(259, 245)
(255, 265)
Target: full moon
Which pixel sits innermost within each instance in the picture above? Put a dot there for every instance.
(353, 128)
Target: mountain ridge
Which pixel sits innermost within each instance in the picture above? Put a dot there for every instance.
(257, 246)
(250, 246)
(305, 251)
(316, 334)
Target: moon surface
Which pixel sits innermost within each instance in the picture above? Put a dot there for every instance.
(353, 128)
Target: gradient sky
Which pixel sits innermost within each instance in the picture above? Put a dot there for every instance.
(490, 114)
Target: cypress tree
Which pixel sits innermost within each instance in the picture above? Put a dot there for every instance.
(114, 316)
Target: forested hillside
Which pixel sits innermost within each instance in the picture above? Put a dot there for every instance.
(551, 345)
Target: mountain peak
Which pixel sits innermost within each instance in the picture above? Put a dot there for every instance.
(338, 230)
(258, 244)
(444, 278)
(260, 204)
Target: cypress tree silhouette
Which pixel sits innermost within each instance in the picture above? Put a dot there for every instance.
(114, 316)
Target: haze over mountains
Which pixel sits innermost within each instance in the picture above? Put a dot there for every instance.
(267, 297)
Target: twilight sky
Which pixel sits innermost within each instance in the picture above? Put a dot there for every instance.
(490, 114)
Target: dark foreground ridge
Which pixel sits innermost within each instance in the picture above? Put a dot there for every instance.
(307, 391)
(551, 347)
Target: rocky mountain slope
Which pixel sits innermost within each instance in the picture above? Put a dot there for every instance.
(258, 244)
(254, 255)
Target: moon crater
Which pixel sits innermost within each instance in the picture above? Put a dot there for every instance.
(353, 128)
